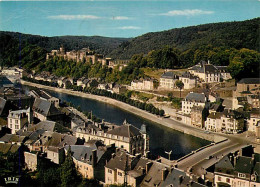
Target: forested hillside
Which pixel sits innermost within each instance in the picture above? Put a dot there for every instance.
(103, 45)
(243, 34)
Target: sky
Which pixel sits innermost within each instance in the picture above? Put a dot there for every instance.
(120, 18)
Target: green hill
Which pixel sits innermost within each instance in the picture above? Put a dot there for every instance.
(241, 34)
(103, 45)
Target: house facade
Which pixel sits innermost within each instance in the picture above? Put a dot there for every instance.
(18, 119)
(188, 80)
(167, 80)
(194, 99)
(125, 136)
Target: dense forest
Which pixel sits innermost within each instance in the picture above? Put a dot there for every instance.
(242, 59)
(242, 34)
(102, 45)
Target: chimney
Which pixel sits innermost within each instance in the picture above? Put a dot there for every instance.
(148, 166)
(113, 155)
(147, 153)
(94, 157)
(164, 173)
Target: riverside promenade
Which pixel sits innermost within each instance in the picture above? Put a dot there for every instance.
(197, 160)
(167, 122)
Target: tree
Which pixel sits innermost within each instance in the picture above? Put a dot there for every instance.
(180, 85)
(68, 171)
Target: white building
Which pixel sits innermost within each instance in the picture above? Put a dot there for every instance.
(167, 80)
(18, 119)
(253, 120)
(194, 99)
(209, 73)
(188, 80)
(145, 84)
(228, 121)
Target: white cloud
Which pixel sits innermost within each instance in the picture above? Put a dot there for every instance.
(120, 18)
(187, 12)
(129, 28)
(74, 17)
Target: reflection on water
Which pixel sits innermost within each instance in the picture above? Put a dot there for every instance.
(161, 138)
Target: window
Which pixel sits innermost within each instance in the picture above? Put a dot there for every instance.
(10, 120)
(119, 173)
(16, 126)
(16, 121)
(109, 170)
(228, 180)
(241, 175)
(219, 178)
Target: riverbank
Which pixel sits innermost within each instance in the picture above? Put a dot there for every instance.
(170, 123)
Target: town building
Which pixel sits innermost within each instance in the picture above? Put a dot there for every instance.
(126, 136)
(46, 96)
(229, 121)
(156, 175)
(18, 119)
(119, 89)
(188, 80)
(145, 84)
(167, 80)
(238, 170)
(194, 99)
(31, 160)
(197, 116)
(209, 73)
(253, 100)
(177, 177)
(45, 110)
(247, 86)
(90, 159)
(121, 163)
(252, 121)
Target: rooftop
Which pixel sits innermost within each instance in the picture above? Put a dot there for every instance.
(249, 81)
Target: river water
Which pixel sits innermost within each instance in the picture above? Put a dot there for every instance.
(161, 138)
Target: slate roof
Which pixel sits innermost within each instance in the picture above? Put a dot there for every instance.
(5, 147)
(209, 68)
(12, 138)
(224, 166)
(84, 153)
(179, 178)
(42, 106)
(197, 97)
(44, 125)
(154, 175)
(139, 169)
(249, 81)
(125, 130)
(169, 75)
(58, 140)
(2, 105)
(45, 107)
(244, 165)
(187, 74)
(119, 161)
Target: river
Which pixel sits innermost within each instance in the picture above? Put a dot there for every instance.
(161, 138)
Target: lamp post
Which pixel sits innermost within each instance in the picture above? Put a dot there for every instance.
(169, 153)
